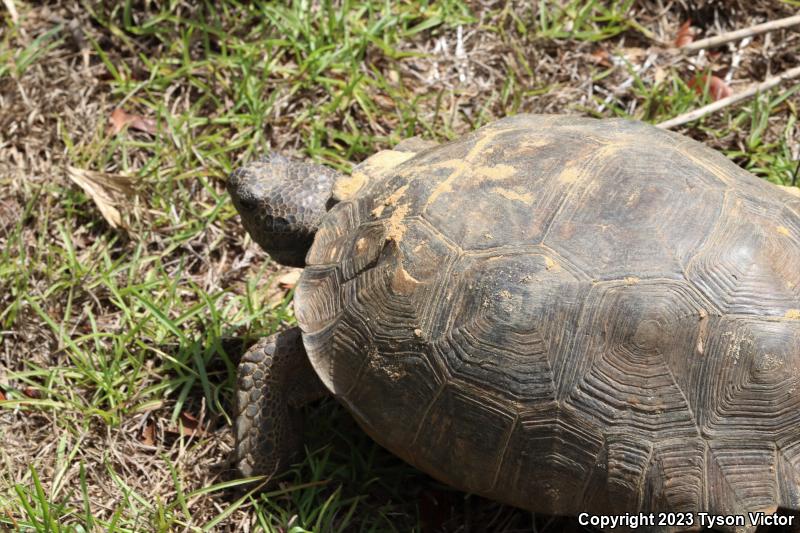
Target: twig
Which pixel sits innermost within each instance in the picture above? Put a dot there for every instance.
(12, 10)
(758, 29)
(765, 85)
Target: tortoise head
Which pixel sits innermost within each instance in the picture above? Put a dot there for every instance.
(282, 202)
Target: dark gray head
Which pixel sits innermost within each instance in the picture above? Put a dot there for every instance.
(281, 202)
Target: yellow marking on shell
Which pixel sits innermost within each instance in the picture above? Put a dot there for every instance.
(569, 174)
(633, 199)
(403, 282)
(390, 200)
(361, 244)
(387, 159)
(794, 191)
(395, 228)
(453, 164)
(794, 314)
(498, 172)
(375, 167)
(527, 144)
(631, 280)
(702, 332)
(526, 198)
(783, 230)
(549, 264)
(396, 195)
(348, 187)
(460, 166)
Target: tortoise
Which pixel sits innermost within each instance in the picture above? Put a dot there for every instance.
(564, 314)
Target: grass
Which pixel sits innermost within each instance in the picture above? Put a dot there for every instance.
(118, 346)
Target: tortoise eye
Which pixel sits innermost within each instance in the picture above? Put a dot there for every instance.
(246, 203)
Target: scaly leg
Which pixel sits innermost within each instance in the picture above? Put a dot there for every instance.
(275, 380)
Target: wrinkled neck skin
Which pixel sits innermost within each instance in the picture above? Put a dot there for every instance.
(282, 202)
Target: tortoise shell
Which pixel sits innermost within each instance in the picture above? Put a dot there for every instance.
(567, 315)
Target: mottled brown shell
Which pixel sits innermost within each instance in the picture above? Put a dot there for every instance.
(568, 315)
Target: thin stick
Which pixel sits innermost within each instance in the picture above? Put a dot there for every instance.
(12, 10)
(758, 29)
(765, 85)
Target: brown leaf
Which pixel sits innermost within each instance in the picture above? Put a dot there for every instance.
(10, 212)
(717, 88)
(600, 57)
(659, 75)
(288, 280)
(148, 437)
(384, 102)
(30, 392)
(2, 396)
(189, 425)
(634, 54)
(685, 34)
(107, 191)
(119, 119)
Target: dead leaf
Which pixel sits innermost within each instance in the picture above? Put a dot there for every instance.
(601, 57)
(634, 54)
(189, 425)
(2, 396)
(717, 88)
(149, 435)
(30, 392)
(107, 190)
(10, 212)
(659, 75)
(289, 280)
(119, 119)
(384, 102)
(685, 34)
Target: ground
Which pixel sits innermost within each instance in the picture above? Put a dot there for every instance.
(128, 289)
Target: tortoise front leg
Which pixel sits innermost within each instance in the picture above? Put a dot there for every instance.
(275, 379)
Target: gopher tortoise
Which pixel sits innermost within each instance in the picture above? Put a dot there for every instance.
(569, 315)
